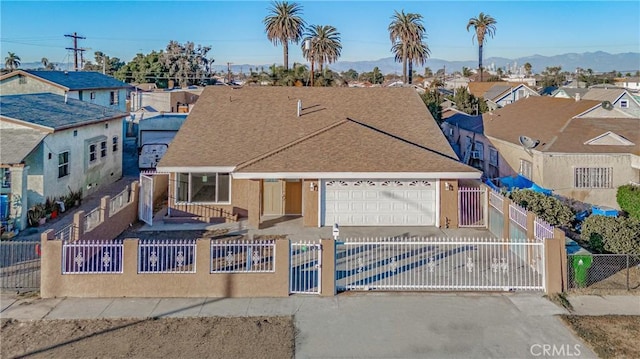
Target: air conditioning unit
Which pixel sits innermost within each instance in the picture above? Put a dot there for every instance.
(475, 154)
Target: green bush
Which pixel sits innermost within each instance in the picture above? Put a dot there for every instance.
(628, 197)
(548, 208)
(618, 234)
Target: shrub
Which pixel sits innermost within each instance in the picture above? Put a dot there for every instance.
(618, 234)
(628, 197)
(548, 208)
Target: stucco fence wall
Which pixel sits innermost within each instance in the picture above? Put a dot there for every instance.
(200, 283)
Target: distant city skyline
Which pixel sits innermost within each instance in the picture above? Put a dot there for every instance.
(235, 31)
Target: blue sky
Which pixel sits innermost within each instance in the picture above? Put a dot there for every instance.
(36, 29)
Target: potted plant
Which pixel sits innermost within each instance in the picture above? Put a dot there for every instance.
(36, 215)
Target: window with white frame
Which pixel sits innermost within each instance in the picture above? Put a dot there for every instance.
(114, 144)
(203, 187)
(63, 164)
(526, 168)
(114, 97)
(92, 95)
(624, 103)
(103, 149)
(493, 157)
(479, 148)
(593, 177)
(5, 177)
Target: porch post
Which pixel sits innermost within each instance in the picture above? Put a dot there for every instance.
(254, 195)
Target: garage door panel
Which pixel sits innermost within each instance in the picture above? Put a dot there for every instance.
(379, 203)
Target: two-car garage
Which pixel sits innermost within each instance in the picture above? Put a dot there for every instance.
(388, 202)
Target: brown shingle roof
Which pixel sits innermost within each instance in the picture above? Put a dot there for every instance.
(258, 128)
(551, 121)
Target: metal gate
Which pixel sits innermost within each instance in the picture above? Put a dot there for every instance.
(305, 262)
(145, 207)
(399, 264)
(472, 207)
(20, 265)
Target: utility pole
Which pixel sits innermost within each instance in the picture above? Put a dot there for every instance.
(75, 49)
(229, 72)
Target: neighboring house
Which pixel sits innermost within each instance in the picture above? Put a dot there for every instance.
(155, 133)
(630, 83)
(362, 157)
(51, 145)
(175, 100)
(569, 92)
(500, 94)
(88, 86)
(616, 102)
(456, 82)
(574, 148)
(466, 136)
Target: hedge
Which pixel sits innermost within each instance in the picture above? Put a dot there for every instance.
(552, 210)
(628, 197)
(614, 234)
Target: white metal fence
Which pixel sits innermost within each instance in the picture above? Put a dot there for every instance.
(65, 234)
(541, 229)
(119, 201)
(242, 256)
(92, 256)
(304, 274)
(518, 215)
(496, 201)
(167, 256)
(472, 207)
(438, 264)
(92, 219)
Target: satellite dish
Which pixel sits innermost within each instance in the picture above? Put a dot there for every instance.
(607, 105)
(528, 143)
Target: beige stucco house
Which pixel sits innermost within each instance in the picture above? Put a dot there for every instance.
(352, 156)
(50, 145)
(581, 149)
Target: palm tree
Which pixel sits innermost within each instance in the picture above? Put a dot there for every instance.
(12, 61)
(483, 25)
(283, 24)
(416, 52)
(527, 69)
(406, 30)
(47, 64)
(325, 44)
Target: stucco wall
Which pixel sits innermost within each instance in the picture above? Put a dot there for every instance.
(12, 86)
(131, 284)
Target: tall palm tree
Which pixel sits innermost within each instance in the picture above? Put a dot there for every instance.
(325, 44)
(406, 30)
(483, 25)
(284, 24)
(47, 64)
(12, 61)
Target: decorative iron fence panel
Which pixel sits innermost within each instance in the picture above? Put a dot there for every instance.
(305, 261)
(541, 229)
(603, 272)
(66, 233)
(20, 265)
(242, 256)
(92, 219)
(92, 256)
(119, 201)
(167, 256)
(518, 215)
(496, 200)
(437, 264)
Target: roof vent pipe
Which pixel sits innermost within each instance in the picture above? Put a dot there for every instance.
(299, 107)
(577, 96)
(65, 97)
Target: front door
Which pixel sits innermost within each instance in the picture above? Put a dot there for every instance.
(293, 197)
(272, 198)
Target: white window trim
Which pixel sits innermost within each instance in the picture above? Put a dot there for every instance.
(493, 153)
(115, 144)
(529, 166)
(624, 103)
(593, 177)
(68, 164)
(95, 153)
(104, 149)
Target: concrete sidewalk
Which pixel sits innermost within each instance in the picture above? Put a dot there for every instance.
(356, 325)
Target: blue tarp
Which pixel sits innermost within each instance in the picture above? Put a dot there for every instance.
(520, 182)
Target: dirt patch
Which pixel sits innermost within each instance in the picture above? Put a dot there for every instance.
(253, 337)
(610, 336)
(614, 285)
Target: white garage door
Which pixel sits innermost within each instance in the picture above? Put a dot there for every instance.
(379, 202)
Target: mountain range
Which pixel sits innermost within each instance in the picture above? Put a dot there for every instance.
(598, 61)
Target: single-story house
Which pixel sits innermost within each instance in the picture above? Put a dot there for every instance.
(50, 145)
(351, 156)
(155, 133)
(578, 149)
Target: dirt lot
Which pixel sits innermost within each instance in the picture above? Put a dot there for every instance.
(610, 336)
(257, 337)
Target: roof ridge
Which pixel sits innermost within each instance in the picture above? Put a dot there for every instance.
(290, 144)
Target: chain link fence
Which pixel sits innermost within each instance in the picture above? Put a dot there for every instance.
(600, 273)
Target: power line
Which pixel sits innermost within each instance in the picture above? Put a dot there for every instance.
(75, 49)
